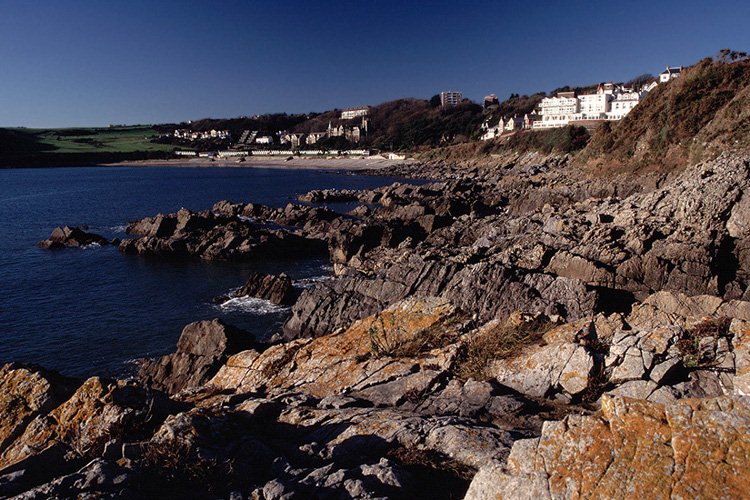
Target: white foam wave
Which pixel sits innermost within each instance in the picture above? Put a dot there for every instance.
(121, 228)
(90, 246)
(251, 305)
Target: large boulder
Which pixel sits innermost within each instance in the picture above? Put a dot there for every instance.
(381, 359)
(25, 393)
(201, 350)
(216, 236)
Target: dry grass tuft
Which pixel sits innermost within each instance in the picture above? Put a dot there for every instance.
(501, 341)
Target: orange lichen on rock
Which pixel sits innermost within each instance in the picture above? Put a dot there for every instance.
(633, 449)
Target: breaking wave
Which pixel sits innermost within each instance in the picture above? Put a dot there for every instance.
(250, 305)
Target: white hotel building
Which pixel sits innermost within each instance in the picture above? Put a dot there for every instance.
(557, 111)
(610, 102)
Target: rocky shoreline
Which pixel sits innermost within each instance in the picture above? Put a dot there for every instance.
(516, 330)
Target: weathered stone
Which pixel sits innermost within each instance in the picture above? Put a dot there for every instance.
(357, 359)
(540, 371)
(664, 370)
(634, 366)
(97, 412)
(201, 350)
(277, 289)
(634, 448)
(25, 393)
(636, 389)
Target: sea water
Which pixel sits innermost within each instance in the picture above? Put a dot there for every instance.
(93, 310)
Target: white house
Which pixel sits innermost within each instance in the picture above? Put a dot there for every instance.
(350, 113)
(623, 102)
(314, 137)
(293, 139)
(264, 139)
(593, 106)
(670, 73)
(557, 111)
(610, 102)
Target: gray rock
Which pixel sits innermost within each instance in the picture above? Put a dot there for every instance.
(665, 370)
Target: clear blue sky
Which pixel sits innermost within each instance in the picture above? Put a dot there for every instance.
(81, 62)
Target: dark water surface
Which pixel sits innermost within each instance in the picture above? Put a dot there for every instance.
(91, 311)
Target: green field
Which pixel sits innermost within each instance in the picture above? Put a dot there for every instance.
(97, 140)
(79, 146)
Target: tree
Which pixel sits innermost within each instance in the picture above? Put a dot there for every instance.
(728, 55)
(435, 101)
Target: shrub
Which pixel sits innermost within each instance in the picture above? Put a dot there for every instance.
(689, 343)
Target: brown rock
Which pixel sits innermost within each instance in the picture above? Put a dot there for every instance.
(25, 393)
(201, 350)
(277, 289)
(67, 236)
(634, 449)
(353, 360)
(98, 411)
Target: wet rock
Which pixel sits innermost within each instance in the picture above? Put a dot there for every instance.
(209, 236)
(330, 196)
(276, 289)
(65, 237)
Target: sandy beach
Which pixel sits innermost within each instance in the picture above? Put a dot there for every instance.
(317, 163)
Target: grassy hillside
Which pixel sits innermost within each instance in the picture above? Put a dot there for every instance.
(109, 140)
(693, 117)
(22, 147)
